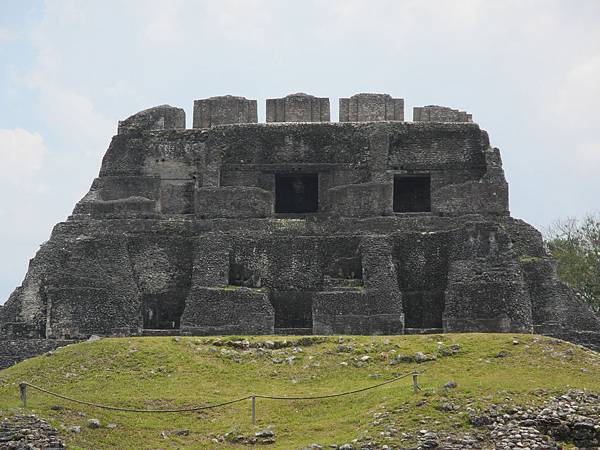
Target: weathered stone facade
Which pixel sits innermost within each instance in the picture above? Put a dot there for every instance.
(371, 108)
(298, 108)
(224, 110)
(364, 227)
(434, 113)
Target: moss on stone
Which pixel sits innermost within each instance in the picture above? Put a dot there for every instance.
(529, 258)
(232, 287)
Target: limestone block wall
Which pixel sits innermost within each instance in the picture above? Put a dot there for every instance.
(486, 288)
(347, 312)
(371, 108)
(233, 202)
(435, 113)
(487, 193)
(219, 310)
(80, 299)
(224, 110)
(232, 172)
(375, 309)
(421, 261)
(361, 199)
(556, 309)
(298, 108)
(162, 117)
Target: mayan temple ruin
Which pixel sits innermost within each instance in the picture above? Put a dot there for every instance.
(370, 225)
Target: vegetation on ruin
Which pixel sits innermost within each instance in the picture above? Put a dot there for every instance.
(529, 258)
(232, 287)
(575, 244)
(168, 372)
(353, 283)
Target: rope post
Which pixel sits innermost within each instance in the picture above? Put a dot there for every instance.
(23, 393)
(253, 410)
(415, 384)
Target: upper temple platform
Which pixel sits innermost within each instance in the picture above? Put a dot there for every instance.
(370, 163)
(349, 169)
(300, 107)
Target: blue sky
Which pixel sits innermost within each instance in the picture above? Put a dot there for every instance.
(529, 72)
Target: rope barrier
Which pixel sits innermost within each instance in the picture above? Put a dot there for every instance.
(116, 408)
(340, 394)
(23, 392)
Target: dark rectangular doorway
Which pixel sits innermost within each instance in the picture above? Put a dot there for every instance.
(296, 193)
(162, 311)
(293, 312)
(412, 193)
(423, 309)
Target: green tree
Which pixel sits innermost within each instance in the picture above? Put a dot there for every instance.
(575, 244)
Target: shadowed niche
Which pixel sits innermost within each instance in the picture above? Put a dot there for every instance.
(412, 193)
(296, 193)
(162, 311)
(293, 310)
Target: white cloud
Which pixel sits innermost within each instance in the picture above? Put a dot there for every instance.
(245, 21)
(73, 116)
(69, 114)
(162, 22)
(62, 106)
(195, 26)
(26, 210)
(5, 37)
(586, 158)
(577, 98)
(22, 154)
(571, 109)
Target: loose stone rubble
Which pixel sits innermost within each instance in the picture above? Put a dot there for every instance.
(28, 432)
(572, 418)
(263, 437)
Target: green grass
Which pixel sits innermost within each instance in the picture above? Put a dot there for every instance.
(165, 372)
(231, 287)
(529, 259)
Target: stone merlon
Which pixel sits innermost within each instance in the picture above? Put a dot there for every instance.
(161, 117)
(298, 108)
(225, 110)
(371, 108)
(435, 113)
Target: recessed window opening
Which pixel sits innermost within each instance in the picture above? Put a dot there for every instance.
(240, 275)
(296, 193)
(412, 193)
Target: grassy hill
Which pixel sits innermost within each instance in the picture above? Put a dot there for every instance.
(168, 372)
